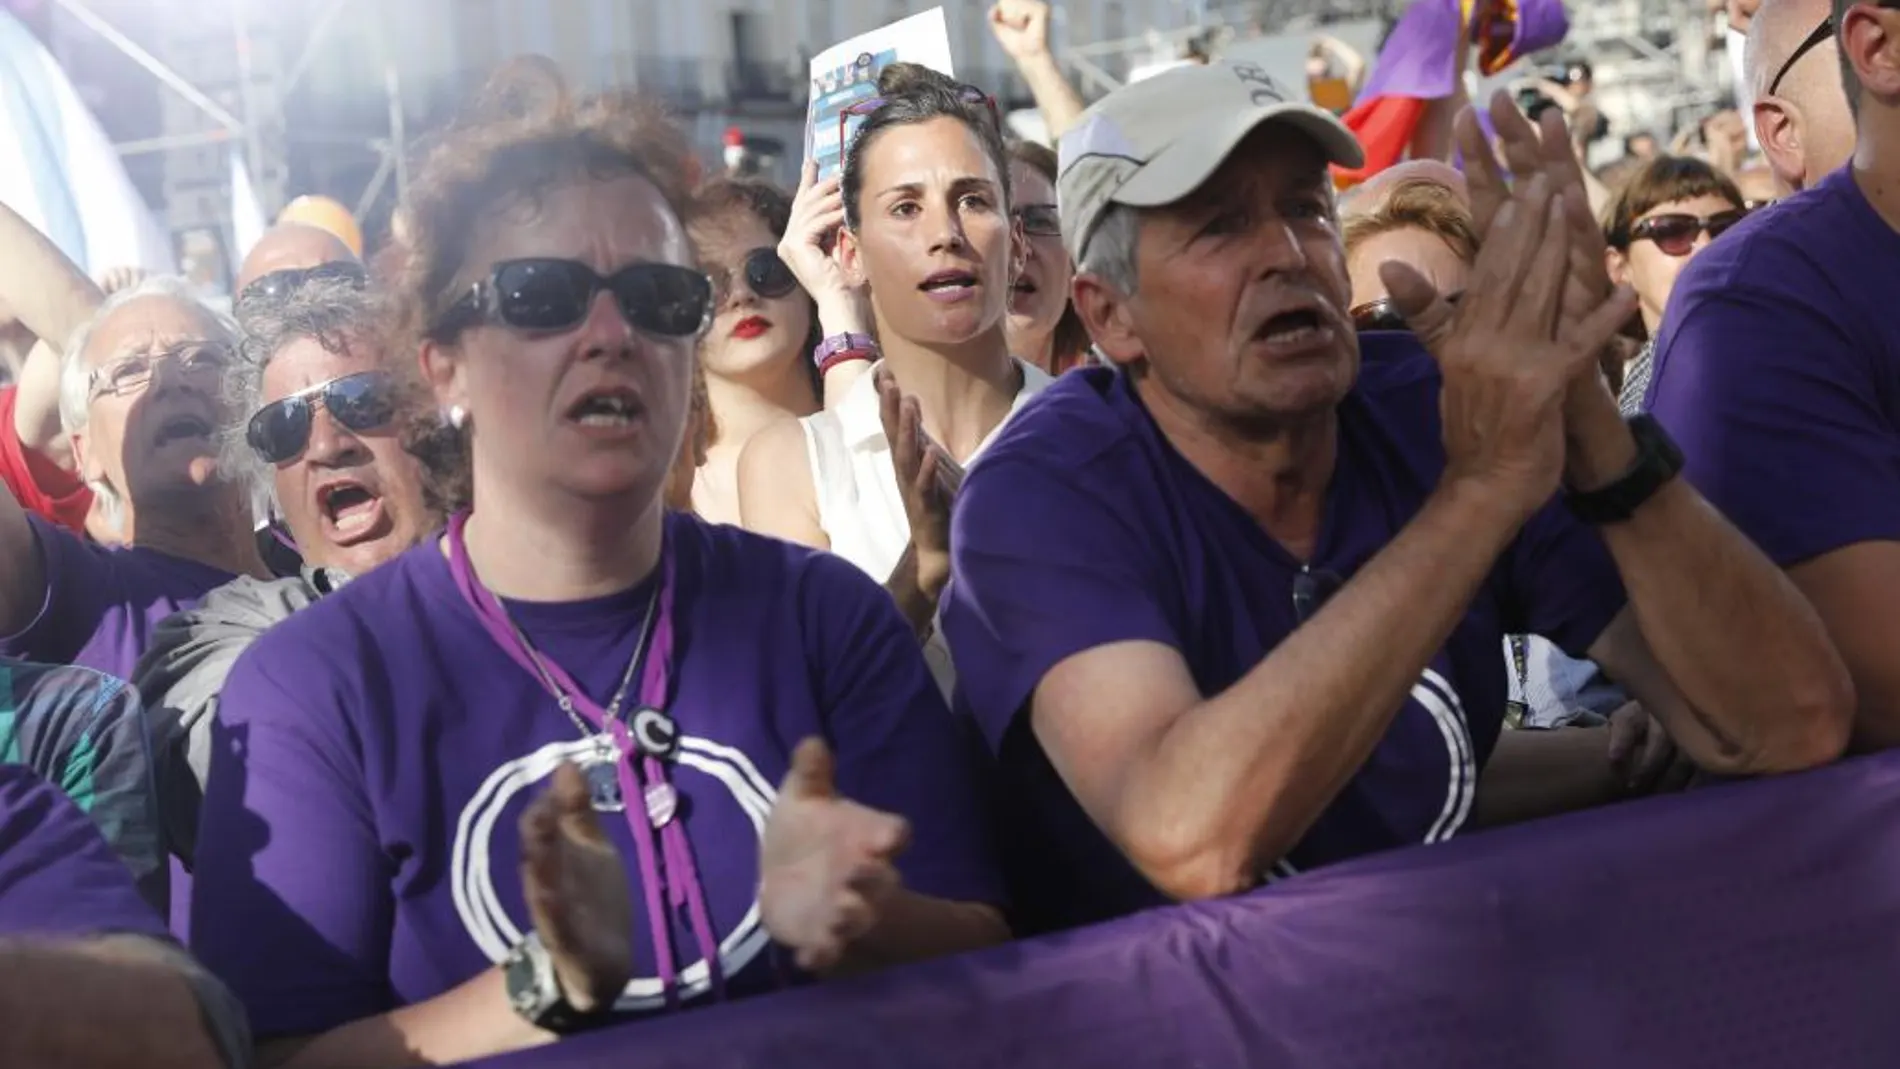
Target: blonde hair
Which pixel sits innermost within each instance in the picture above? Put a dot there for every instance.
(1417, 204)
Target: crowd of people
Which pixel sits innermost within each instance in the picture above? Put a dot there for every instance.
(629, 591)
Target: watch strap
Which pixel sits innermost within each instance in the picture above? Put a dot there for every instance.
(1658, 460)
(844, 348)
(534, 991)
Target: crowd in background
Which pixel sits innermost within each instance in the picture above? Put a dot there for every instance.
(627, 589)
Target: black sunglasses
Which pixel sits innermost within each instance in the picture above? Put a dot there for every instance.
(1040, 220)
(290, 280)
(765, 275)
(1675, 233)
(1312, 588)
(1384, 314)
(1821, 33)
(665, 300)
(362, 403)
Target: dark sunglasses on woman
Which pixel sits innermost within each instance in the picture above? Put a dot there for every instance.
(283, 283)
(765, 275)
(1384, 314)
(1675, 233)
(362, 403)
(665, 300)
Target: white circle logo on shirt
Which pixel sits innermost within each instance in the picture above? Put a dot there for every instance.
(496, 933)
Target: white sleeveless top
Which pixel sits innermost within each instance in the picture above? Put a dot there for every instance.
(860, 507)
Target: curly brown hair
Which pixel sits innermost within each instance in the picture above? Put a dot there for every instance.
(522, 138)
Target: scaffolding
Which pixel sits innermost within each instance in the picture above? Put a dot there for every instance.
(226, 71)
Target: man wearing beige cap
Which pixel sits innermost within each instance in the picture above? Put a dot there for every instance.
(1232, 607)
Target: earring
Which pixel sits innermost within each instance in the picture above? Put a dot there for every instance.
(458, 416)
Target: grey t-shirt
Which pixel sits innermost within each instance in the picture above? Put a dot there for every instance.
(183, 670)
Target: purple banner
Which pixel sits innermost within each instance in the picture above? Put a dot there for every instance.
(1746, 926)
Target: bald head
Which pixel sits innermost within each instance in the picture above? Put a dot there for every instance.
(288, 246)
(1778, 28)
(1805, 127)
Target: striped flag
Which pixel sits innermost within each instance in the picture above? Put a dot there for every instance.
(1419, 64)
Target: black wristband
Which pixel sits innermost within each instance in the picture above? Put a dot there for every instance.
(1658, 460)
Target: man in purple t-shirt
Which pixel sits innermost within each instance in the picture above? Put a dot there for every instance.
(1235, 606)
(141, 400)
(88, 975)
(1778, 369)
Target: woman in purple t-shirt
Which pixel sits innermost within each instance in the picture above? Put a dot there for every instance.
(374, 880)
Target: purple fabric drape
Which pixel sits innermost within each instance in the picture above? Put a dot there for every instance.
(1746, 926)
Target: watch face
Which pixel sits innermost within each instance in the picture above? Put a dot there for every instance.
(527, 993)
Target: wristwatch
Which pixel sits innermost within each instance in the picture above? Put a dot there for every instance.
(1658, 460)
(534, 991)
(844, 348)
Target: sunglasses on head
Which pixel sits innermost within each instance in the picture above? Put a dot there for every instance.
(765, 275)
(969, 94)
(1040, 220)
(1675, 233)
(362, 403)
(1312, 589)
(1821, 33)
(1384, 314)
(664, 300)
(288, 281)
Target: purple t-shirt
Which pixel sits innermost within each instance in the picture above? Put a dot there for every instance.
(1778, 372)
(57, 875)
(358, 849)
(102, 604)
(1082, 526)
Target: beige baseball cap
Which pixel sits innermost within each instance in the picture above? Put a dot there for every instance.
(1154, 142)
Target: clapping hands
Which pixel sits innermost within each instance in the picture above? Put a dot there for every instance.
(827, 866)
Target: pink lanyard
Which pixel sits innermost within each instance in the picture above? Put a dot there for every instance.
(646, 780)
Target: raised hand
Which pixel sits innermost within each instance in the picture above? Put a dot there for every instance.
(927, 477)
(826, 864)
(1021, 27)
(120, 278)
(575, 884)
(1507, 358)
(810, 235)
(1530, 150)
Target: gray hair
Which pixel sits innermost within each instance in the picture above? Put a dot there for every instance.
(1110, 252)
(75, 370)
(335, 313)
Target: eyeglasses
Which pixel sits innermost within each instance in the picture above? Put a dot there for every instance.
(1675, 234)
(1040, 220)
(1821, 33)
(200, 360)
(362, 402)
(862, 109)
(1312, 588)
(1384, 314)
(765, 274)
(282, 283)
(665, 300)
